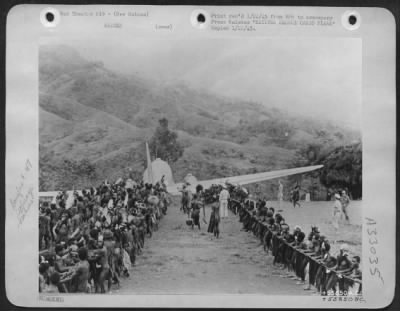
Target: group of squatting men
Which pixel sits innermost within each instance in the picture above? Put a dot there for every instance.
(88, 240)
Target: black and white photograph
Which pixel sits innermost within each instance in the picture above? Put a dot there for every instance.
(182, 171)
(211, 160)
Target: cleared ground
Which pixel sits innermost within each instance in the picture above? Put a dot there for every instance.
(320, 214)
(179, 260)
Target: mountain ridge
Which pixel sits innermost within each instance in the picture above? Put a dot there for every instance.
(88, 112)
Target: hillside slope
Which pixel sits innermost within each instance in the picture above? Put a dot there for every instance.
(88, 112)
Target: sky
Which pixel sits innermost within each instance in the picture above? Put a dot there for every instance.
(320, 77)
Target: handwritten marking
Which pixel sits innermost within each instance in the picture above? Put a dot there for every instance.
(373, 257)
(24, 197)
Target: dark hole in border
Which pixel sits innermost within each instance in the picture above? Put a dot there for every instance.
(352, 20)
(201, 18)
(49, 17)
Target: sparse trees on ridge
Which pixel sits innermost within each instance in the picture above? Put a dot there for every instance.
(164, 143)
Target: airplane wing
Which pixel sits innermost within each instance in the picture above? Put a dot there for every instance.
(245, 179)
(236, 180)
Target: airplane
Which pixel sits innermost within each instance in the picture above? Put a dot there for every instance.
(158, 169)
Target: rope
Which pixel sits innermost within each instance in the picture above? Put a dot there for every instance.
(259, 223)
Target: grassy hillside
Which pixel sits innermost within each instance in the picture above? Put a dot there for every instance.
(90, 113)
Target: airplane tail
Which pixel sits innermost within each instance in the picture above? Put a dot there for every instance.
(149, 166)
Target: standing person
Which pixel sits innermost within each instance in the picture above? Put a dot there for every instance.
(80, 277)
(223, 201)
(213, 226)
(54, 280)
(200, 191)
(257, 191)
(344, 268)
(280, 194)
(357, 274)
(43, 276)
(328, 195)
(186, 199)
(197, 205)
(102, 267)
(201, 197)
(296, 196)
(44, 227)
(164, 201)
(345, 200)
(337, 211)
(308, 196)
(163, 183)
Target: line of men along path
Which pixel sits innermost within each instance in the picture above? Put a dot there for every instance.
(180, 258)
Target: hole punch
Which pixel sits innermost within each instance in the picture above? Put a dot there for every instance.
(352, 20)
(50, 17)
(201, 18)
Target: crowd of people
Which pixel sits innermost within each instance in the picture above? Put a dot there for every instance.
(300, 256)
(89, 239)
(217, 196)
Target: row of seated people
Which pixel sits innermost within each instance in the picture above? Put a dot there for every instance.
(304, 258)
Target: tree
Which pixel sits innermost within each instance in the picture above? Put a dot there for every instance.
(86, 170)
(310, 154)
(164, 143)
(343, 169)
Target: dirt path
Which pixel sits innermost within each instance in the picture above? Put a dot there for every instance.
(179, 260)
